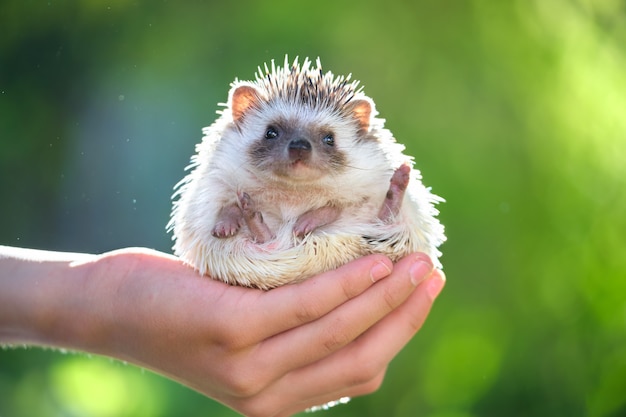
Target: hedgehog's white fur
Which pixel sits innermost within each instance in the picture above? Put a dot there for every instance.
(220, 170)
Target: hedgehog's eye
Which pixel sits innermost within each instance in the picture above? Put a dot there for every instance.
(271, 133)
(329, 140)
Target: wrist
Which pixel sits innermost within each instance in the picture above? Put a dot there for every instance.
(70, 316)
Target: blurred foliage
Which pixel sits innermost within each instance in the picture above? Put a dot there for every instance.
(514, 110)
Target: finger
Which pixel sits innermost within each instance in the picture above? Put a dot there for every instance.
(385, 339)
(334, 399)
(290, 306)
(276, 403)
(318, 339)
(363, 360)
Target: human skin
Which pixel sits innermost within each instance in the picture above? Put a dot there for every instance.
(261, 353)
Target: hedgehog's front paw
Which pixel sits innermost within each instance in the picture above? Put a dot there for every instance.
(304, 226)
(259, 230)
(313, 219)
(229, 222)
(393, 200)
(225, 229)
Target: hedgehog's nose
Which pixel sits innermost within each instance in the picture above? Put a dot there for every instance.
(299, 149)
(300, 145)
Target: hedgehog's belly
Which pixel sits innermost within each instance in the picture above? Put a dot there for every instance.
(240, 261)
(264, 266)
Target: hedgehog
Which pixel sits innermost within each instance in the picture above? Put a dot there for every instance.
(298, 176)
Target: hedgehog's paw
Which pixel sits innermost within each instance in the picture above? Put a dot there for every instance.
(395, 194)
(229, 221)
(313, 219)
(259, 230)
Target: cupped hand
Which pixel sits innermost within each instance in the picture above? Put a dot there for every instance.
(261, 353)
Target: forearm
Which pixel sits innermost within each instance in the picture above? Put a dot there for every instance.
(38, 292)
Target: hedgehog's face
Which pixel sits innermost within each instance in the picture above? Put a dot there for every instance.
(295, 142)
(293, 150)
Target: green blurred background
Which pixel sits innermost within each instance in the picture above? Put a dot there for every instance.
(514, 110)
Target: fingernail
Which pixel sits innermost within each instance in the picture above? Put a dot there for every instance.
(420, 270)
(436, 284)
(379, 271)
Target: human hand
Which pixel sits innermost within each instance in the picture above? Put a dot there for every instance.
(261, 353)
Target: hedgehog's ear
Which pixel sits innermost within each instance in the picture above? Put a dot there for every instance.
(362, 111)
(242, 99)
